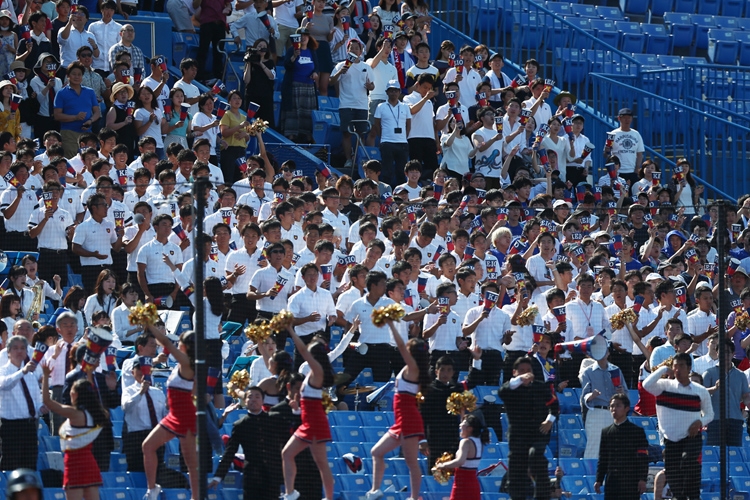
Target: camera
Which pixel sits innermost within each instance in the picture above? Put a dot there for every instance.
(254, 54)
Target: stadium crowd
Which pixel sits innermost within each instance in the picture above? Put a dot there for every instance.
(484, 220)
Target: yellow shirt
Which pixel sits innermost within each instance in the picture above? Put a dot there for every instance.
(8, 125)
(231, 120)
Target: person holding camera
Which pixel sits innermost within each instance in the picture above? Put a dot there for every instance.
(259, 77)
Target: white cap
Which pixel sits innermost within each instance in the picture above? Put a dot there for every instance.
(393, 84)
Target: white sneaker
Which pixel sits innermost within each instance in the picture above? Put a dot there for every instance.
(390, 489)
(153, 494)
(291, 496)
(373, 495)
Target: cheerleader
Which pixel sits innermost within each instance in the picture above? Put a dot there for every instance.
(466, 463)
(85, 418)
(408, 429)
(314, 432)
(274, 387)
(180, 422)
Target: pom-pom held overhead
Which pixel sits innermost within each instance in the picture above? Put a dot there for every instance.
(381, 315)
(622, 318)
(442, 476)
(280, 322)
(238, 383)
(143, 314)
(258, 333)
(527, 317)
(459, 402)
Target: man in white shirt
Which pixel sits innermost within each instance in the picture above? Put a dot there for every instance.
(584, 318)
(312, 307)
(256, 23)
(189, 68)
(94, 240)
(580, 143)
(701, 322)
(249, 255)
(468, 79)
(489, 144)
(333, 216)
(393, 124)
(52, 226)
(287, 14)
(627, 145)
(106, 33)
(541, 112)
(17, 204)
(157, 81)
(74, 35)
(422, 138)
(58, 358)
(496, 78)
(154, 275)
(355, 79)
(383, 72)
(443, 330)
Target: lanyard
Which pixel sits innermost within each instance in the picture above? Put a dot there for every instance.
(398, 108)
(591, 311)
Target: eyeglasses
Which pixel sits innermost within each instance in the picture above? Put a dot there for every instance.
(88, 54)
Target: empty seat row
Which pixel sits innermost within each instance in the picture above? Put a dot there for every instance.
(729, 46)
(729, 8)
(585, 10)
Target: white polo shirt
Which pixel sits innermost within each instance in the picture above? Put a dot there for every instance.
(296, 236)
(151, 254)
(368, 332)
(264, 279)
(423, 122)
(130, 232)
(20, 220)
(242, 258)
(53, 234)
(352, 91)
(305, 302)
(489, 333)
(96, 237)
(444, 338)
(392, 118)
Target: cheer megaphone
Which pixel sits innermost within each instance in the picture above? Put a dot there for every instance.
(595, 347)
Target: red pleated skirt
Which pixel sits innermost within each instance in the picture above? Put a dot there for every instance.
(408, 419)
(81, 469)
(315, 425)
(465, 485)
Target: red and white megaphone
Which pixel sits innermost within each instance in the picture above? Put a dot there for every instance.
(595, 347)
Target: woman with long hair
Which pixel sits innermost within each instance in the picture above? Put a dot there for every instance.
(687, 193)
(408, 429)
(10, 309)
(474, 436)
(149, 118)
(281, 366)
(85, 419)
(373, 34)
(298, 95)
(177, 129)
(320, 28)
(104, 297)
(314, 432)
(646, 177)
(180, 421)
(233, 127)
(386, 10)
(74, 300)
(259, 77)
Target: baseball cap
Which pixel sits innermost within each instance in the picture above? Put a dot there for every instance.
(561, 203)
(625, 112)
(393, 84)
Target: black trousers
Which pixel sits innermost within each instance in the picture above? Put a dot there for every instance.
(298, 359)
(89, 274)
(683, 468)
(228, 163)
(526, 459)
(52, 262)
(210, 35)
(241, 309)
(492, 366)
(568, 369)
(162, 290)
(394, 157)
(624, 361)
(378, 358)
(424, 150)
(17, 241)
(621, 486)
(18, 446)
(131, 445)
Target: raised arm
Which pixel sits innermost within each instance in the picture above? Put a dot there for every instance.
(182, 358)
(315, 367)
(55, 407)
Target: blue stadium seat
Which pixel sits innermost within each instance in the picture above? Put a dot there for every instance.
(342, 448)
(118, 462)
(493, 451)
(572, 466)
(702, 23)
(482, 391)
(324, 124)
(354, 482)
(659, 7)
(429, 484)
(490, 484)
(137, 493)
(733, 8)
(113, 494)
(50, 443)
(373, 434)
(631, 38)
(643, 422)
(575, 484)
(175, 494)
(741, 484)
(560, 8)
(364, 377)
(639, 7)
(328, 103)
(681, 27)
(54, 494)
(710, 454)
(722, 47)
(670, 62)
(232, 493)
(686, 6)
(584, 10)
(532, 30)
(569, 402)
(116, 480)
(728, 23)
(709, 7)
(736, 454)
(570, 422)
(647, 61)
(376, 418)
(657, 39)
(576, 39)
(609, 13)
(572, 443)
(606, 31)
(347, 433)
(348, 418)
(138, 479)
(589, 466)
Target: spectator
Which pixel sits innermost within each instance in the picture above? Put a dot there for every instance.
(127, 36)
(91, 78)
(354, 80)
(627, 146)
(10, 120)
(118, 118)
(321, 29)
(46, 88)
(387, 10)
(8, 41)
(181, 13)
(213, 18)
(38, 42)
(298, 96)
(260, 78)
(206, 126)
(17, 204)
(564, 147)
(393, 124)
(422, 136)
(253, 23)
(468, 79)
(191, 94)
(74, 35)
(287, 15)
(148, 119)
(107, 33)
(383, 72)
(157, 81)
(76, 108)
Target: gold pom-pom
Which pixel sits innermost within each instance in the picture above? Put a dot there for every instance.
(527, 317)
(328, 404)
(258, 333)
(742, 321)
(258, 126)
(280, 322)
(420, 398)
(381, 315)
(622, 318)
(461, 402)
(143, 314)
(442, 476)
(238, 383)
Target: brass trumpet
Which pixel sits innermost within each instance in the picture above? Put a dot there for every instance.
(37, 303)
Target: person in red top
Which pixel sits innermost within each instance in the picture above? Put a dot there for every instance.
(213, 18)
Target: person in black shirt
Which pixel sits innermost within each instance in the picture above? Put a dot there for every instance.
(284, 418)
(623, 455)
(532, 409)
(252, 432)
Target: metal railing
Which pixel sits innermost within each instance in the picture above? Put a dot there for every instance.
(715, 147)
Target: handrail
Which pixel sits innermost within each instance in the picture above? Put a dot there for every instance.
(672, 129)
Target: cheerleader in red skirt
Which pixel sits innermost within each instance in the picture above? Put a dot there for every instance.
(85, 418)
(315, 431)
(180, 421)
(408, 429)
(466, 463)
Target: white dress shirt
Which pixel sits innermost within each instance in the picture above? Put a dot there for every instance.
(368, 332)
(523, 336)
(444, 338)
(130, 232)
(698, 323)
(93, 305)
(106, 35)
(20, 220)
(585, 320)
(13, 405)
(305, 302)
(242, 258)
(489, 333)
(68, 46)
(135, 407)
